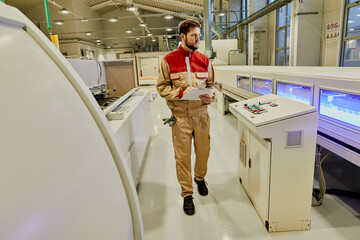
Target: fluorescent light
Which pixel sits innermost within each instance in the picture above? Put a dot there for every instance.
(142, 24)
(351, 29)
(169, 36)
(137, 38)
(98, 43)
(222, 14)
(131, 8)
(84, 20)
(168, 16)
(149, 34)
(108, 46)
(169, 29)
(59, 22)
(351, 21)
(113, 20)
(98, 40)
(128, 31)
(153, 40)
(64, 11)
(358, 15)
(88, 33)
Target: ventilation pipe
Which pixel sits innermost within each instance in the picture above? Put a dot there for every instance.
(208, 17)
(262, 12)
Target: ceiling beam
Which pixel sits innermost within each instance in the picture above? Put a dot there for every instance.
(101, 5)
(189, 6)
(183, 5)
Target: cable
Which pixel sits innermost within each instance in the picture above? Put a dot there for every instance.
(322, 190)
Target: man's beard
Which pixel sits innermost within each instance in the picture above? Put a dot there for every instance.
(189, 46)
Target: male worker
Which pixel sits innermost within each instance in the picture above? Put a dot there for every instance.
(181, 71)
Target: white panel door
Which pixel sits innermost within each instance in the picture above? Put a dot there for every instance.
(150, 67)
(259, 173)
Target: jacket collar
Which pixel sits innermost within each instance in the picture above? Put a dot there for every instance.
(184, 52)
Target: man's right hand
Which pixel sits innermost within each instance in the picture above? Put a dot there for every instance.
(187, 90)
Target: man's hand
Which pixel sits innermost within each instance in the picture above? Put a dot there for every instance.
(206, 98)
(187, 90)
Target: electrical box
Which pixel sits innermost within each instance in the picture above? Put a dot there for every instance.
(276, 155)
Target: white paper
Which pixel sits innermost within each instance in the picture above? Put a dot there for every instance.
(194, 93)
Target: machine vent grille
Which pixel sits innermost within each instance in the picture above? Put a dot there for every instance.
(243, 152)
(293, 139)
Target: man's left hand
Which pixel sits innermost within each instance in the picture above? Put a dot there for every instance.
(206, 98)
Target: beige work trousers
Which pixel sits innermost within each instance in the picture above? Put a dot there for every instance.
(183, 131)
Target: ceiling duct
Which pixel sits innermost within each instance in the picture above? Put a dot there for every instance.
(262, 12)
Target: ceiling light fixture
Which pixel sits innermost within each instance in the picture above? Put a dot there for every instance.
(153, 40)
(169, 36)
(168, 17)
(149, 34)
(98, 40)
(142, 24)
(98, 44)
(351, 29)
(108, 46)
(84, 20)
(113, 20)
(137, 38)
(59, 22)
(128, 31)
(88, 33)
(169, 29)
(64, 11)
(221, 14)
(131, 8)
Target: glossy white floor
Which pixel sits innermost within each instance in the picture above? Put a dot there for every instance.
(226, 213)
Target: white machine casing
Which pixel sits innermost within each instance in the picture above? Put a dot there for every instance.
(62, 172)
(276, 152)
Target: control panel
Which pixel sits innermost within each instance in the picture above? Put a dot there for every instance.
(257, 109)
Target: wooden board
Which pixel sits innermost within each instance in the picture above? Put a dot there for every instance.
(119, 75)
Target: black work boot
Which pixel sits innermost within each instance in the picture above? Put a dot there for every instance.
(189, 207)
(202, 189)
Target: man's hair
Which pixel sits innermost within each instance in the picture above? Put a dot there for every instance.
(185, 25)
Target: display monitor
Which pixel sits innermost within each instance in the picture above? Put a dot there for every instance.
(262, 85)
(342, 106)
(296, 92)
(243, 81)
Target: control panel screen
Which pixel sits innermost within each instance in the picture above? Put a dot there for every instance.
(243, 82)
(342, 106)
(262, 86)
(296, 92)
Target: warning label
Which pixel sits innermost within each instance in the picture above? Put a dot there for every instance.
(332, 31)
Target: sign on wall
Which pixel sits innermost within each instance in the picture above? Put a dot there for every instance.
(332, 31)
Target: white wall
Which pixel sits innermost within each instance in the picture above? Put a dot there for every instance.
(333, 11)
(139, 55)
(222, 48)
(307, 33)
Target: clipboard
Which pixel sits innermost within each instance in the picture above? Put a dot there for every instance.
(195, 92)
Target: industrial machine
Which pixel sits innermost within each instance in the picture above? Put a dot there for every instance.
(276, 149)
(334, 91)
(63, 173)
(128, 115)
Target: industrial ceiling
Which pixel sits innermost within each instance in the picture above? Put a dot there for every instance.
(98, 12)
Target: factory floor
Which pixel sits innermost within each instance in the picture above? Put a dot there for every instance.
(226, 213)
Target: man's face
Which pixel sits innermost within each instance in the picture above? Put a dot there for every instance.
(192, 38)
